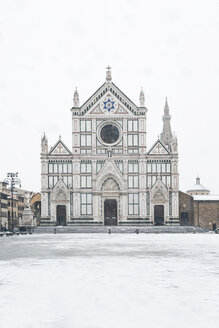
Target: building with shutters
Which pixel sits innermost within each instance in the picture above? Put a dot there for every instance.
(109, 176)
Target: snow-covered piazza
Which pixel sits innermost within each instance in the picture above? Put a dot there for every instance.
(109, 280)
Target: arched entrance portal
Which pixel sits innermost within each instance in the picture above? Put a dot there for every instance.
(110, 198)
(110, 212)
(158, 215)
(61, 215)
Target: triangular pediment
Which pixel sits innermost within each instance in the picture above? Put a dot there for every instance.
(159, 185)
(158, 149)
(60, 149)
(109, 167)
(60, 185)
(109, 100)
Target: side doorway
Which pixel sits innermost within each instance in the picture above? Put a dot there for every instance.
(184, 219)
(61, 215)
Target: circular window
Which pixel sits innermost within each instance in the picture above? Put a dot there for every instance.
(109, 133)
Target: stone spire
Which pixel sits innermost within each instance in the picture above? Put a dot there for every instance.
(166, 135)
(166, 108)
(44, 144)
(108, 74)
(141, 98)
(76, 98)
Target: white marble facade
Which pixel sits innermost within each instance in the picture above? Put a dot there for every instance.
(109, 177)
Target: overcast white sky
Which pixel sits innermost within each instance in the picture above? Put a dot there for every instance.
(170, 48)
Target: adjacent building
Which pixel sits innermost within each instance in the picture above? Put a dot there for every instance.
(198, 207)
(186, 209)
(13, 210)
(3, 206)
(206, 211)
(109, 176)
(205, 206)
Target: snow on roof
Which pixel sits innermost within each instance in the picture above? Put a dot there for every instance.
(206, 197)
(198, 187)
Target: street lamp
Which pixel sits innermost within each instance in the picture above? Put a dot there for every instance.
(12, 180)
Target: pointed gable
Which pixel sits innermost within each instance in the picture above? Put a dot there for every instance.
(60, 185)
(158, 149)
(60, 191)
(109, 170)
(159, 191)
(110, 167)
(60, 149)
(109, 99)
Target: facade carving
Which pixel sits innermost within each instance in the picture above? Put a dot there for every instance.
(109, 176)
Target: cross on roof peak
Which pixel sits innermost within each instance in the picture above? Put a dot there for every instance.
(108, 73)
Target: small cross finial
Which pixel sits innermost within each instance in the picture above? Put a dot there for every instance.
(108, 73)
(60, 137)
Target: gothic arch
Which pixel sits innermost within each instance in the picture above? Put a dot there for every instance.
(116, 178)
(110, 184)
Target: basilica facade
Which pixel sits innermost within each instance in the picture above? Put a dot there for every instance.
(109, 176)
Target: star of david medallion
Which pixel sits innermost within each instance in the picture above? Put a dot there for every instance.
(109, 105)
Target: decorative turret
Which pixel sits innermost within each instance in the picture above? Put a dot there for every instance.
(44, 144)
(76, 98)
(166, 135)
(108, 74)
(141, 98)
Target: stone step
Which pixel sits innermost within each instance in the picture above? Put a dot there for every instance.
(120, 229)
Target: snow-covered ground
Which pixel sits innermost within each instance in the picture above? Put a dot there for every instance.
(109, 281)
